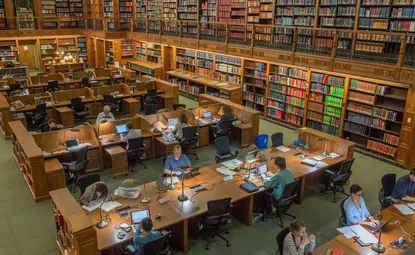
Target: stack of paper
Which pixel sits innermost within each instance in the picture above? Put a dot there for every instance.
(334, 155)
(107, 206)
(225, 171)
(282, 148)
(363, 235)
(404, 209)
(232, 164)
(310, 162)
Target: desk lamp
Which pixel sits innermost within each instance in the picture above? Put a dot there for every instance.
(99, 124)
(103, 223)
(248, 178)
(183, 197)
(379, 247)
(75, 130)
(145, 199)
(171, 186)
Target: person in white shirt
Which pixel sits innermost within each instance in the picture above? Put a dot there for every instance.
(132, 133)
(105, 115)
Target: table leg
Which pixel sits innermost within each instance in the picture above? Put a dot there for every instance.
(300, 190)
(243, 210)
(180, 236)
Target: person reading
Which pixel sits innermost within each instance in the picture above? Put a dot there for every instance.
(278, 181)
(105, 116)
(297, 242)
(405, 187)
(94, 193)
(147, 234)
(174, 162)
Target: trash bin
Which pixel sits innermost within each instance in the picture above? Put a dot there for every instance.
(262, 141)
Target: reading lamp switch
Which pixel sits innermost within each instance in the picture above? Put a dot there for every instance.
(408, 121)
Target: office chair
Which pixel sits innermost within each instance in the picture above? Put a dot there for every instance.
(177, 106)
(335, 182)
(283, 204)
(135, 152)
(151, 97)
(34, 119)
(87, 179)
(150, 109)
(277, 139)
(111, 102)
(77, 168)
(222, 128)
(280, 239)
(388, 184)
(53, 86)
(14, 89)
(159, 246)
(79, 109)
(190, 141)
(223, 152)
(218, 215)
(85, 82)
(342, 219)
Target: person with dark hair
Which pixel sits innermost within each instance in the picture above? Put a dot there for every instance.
(132, 133)
(94, 193)
(297, 242)
(356, 210)
(178, 129)
(278, 181)
(174, 162)
(405, 187)
(148, 234)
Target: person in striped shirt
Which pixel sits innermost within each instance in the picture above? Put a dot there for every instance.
(297, 242)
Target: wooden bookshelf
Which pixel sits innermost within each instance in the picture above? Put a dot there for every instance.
(70, 13)
(127, 49)
(186, 60)
(374, 116)
(208, 13)
(141, 9)
(126, 14)
(325, 103)
(49, 52)
(169, 10)
(49, 14)
(25, 19)
(228, 69)
(75, 234)
(402, 16)
(8, 50)
(154, 9)
(67, 45)
(143, 67)
(374, 14)
(82, 49)
(254, 85)
(204, 63)
(286, 97)
(295, 13)
(14, 71)
(109, 13)
(187, 9)
(3, 20)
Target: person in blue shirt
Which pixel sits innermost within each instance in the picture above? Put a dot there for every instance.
(173, 162)
(278, 181)
(356, 210)
(148, 235)
(405, 187)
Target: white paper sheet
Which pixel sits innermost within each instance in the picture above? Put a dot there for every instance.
(412, 205)
(107, 206)
(232, 163)
(225, 171)
(404, 209)
(363, 235)
(282, 148)
(321, 164)
(347, 232)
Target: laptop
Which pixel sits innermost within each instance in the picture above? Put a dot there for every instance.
(121, 129)
(71, 144)
(207, 115)
(138, 216)
(251, 156)
(171, 123)
(378, 227)
(261, 169)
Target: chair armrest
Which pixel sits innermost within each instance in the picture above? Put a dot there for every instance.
(66, 164)
(164, 232)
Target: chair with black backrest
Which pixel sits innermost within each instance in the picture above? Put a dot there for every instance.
(136, 152)
(335, 181)
(218, 215)
(388, 184)
(190, 141)
(77, 168)
(342, 219)
(14, 89)
(150, 109)
(151, 97)
(159, 246)
(111, 102)
(177, 106)
(222, 128)
(35, 119)
(85, 82)
(84, 181)
(280, 239)
(223, 152)
(53, 86)
(277, 139)
(283, 204)
(79, 108)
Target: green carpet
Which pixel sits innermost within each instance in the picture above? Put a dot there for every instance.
(28, 228)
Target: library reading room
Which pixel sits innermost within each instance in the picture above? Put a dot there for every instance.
(246, 127)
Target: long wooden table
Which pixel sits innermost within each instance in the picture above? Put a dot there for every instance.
(178, 216)
(390, 234)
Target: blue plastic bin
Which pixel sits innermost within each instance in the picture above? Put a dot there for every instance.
(262, 141)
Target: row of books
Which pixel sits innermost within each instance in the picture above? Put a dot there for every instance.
(363, 86)
(298, 21)
(384, 114)
(204, 63)
(295, 110)
(288, 81)
(295, 2)
(296, 92)
(358, 118)
(185, 60)
(253, 98)
(315, 107)
(314, 116)
(382, 148)
(374, 12)
(391, 139)
(276, 104)
(227, 77)
(278, 87)
(205, 55)
(355, 128)
(324, 128)
(295, 101)
(333, 101)
(362, 108)
(276, 96)
(373, 23)
(331, 121)
(403, 26)
(336, 22)
(403, 13)
(229, 60)
(333, 111)
(362, 97)
(316, 97)
(228, 68)
(204, 71)
(378, 123)
(327, 79)
(292, 72)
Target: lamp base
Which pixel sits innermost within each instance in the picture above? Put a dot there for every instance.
(248, 179)
(103, 224)
(146, 200)
(182, 198)
(378, 247)
(171, 187)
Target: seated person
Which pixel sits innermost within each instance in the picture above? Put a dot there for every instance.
(94, 193)
(405, 187)
(226, 116)
(173, 162)
(279, 180)
(25, 91)
(297, 242)
(132, 133)
(178, 129)
(148, 235)
(356, 210)
(105, 116)
(52, 126)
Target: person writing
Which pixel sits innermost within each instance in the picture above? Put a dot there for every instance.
(278, 181)
(94, 193)
(297, 242)
(106, 115)
(173, 162)
(52, 126)
(148, 235)
(178, 129)
(405, 187)
(356, 210)
(132, 133)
